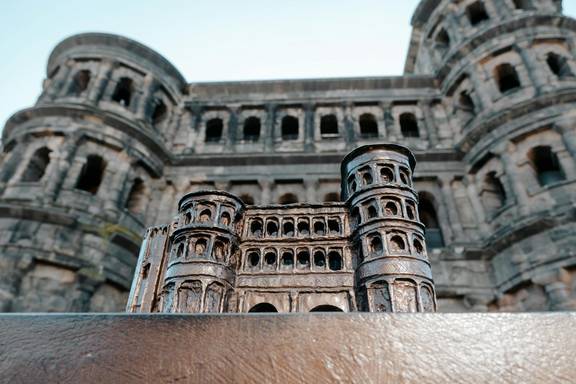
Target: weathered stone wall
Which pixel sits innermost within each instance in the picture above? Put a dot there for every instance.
(487, 106)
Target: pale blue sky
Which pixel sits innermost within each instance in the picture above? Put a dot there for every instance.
(213, 40)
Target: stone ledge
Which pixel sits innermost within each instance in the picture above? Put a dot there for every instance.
(312, 348)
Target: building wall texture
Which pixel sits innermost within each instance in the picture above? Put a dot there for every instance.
(117, 137)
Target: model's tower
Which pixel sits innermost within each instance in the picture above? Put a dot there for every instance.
(194, 264)
(392, 269)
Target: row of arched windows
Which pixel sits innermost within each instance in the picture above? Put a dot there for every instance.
(267, 307)
(294, 227)
(381, 173)
(270, 259)
(393, 243)
(205, 213)
(387, 206)
(329, 127)
(197, 247)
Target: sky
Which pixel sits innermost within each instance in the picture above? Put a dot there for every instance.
(214, 40)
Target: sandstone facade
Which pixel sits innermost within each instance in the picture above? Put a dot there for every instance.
(118, 136)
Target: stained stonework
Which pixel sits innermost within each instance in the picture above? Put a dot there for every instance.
(367, 254)
(117, 136)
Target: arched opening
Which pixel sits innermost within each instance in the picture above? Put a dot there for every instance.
(219, 251)
(80, 82)
(225, 219)
(252, 127)
(546, 165)
(288, 229)
(328, 126)
(123, 91)
(559, 65)
(429, 218)
(270, 258)
(476, 13)
(465, 102)
(288, 198)
(289, 128)
(404, 175)
(375, 244)
(525, 5)
(368, 126)
(205, 216)
(372, 211)
(334, 261)
(37, 166)
(247, 199)
(418, 247)
(506, 77)
(180, 251)
(326, 308)
(159, 113)
(391, 209)
(303, 259)
(332, 197)
(304, 227)
(214, 129)
(287, 259)
(136, 197)
(319, 259)
(200, 248)
(387, 175)
(263, 308)
(253, 259)
(256, 228)
(397, 244)
(334, 226)
(367, 178)
(442, 41)
(409, 125)
(493, 195)
(356, 219)
(91, 174)
(272, 228)
(319, 228)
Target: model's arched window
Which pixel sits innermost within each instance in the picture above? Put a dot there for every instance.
(559, 65)
(123, 92)
(334, 261)
(80, 82)
(263, 307)
(91, 174)
(546, 165)
(287, 260)
(368, 126)
(476, 13)
(214, 129)
(428, 216)
(326, 308)
(288, 198)
(136, 202)
(442, 41)
(159, 113)
(247, 199)
(272, 227)
(506, 77)
(328, 126)
(37, 165)
(331, 197)
(409, 125)
(289, 128)
(465, 102)
(492, 194)
(319, 259)
(252, 129)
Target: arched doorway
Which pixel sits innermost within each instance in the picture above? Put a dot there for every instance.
(263, 307)
(326, 308)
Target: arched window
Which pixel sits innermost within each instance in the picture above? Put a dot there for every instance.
(123, 92)
(476, 13)
(466, 103)
(506, 77)
(247, 199)
(37, 165)
(328, 126)
(332, 197)
(546, 165)
(368, 126)
(263, 307)
(159, 113)
(409, 125)
(303, 259)
(288, 227)
(559, 65)
(136, 202)
(326, 308)
(334, 261)
(493, 195)
(289, 128)
(272, 227)
(253, 259)
(252, 129)
(91, 174)
(427, 213)
(287, 259)
(523, 4)
(442, 41)
(319, 259)
(214, 129)
(80, 82)
(288, 198)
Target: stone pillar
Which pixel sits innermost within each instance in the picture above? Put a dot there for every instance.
(54, 87)
(429, 122)
(535, 72)
(309, 127)
(474, 198)
(266, 195)
(517, 186)
(450, 204)
(390, 129)
(269, 132)
(145, 100)
(234, 111)
(63, 161)
(101, 81)
(480, 86)
(311, 186)
(349, 133)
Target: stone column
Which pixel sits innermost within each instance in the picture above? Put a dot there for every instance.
(480, 86)
(474, 198)
(101, 81)
(148, 88)
(63, 161)
(535, 72)
(232, 128)
(54, 86)
(429, 122)
(349, 133)
(450, 204)
(311, 186)
(270, 122)
(505, 151)
(266, 196)
(390, 130)
(309, 127)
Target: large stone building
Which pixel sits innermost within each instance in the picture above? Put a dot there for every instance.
(118, 136)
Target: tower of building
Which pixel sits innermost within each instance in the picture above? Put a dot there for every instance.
(393, 273)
